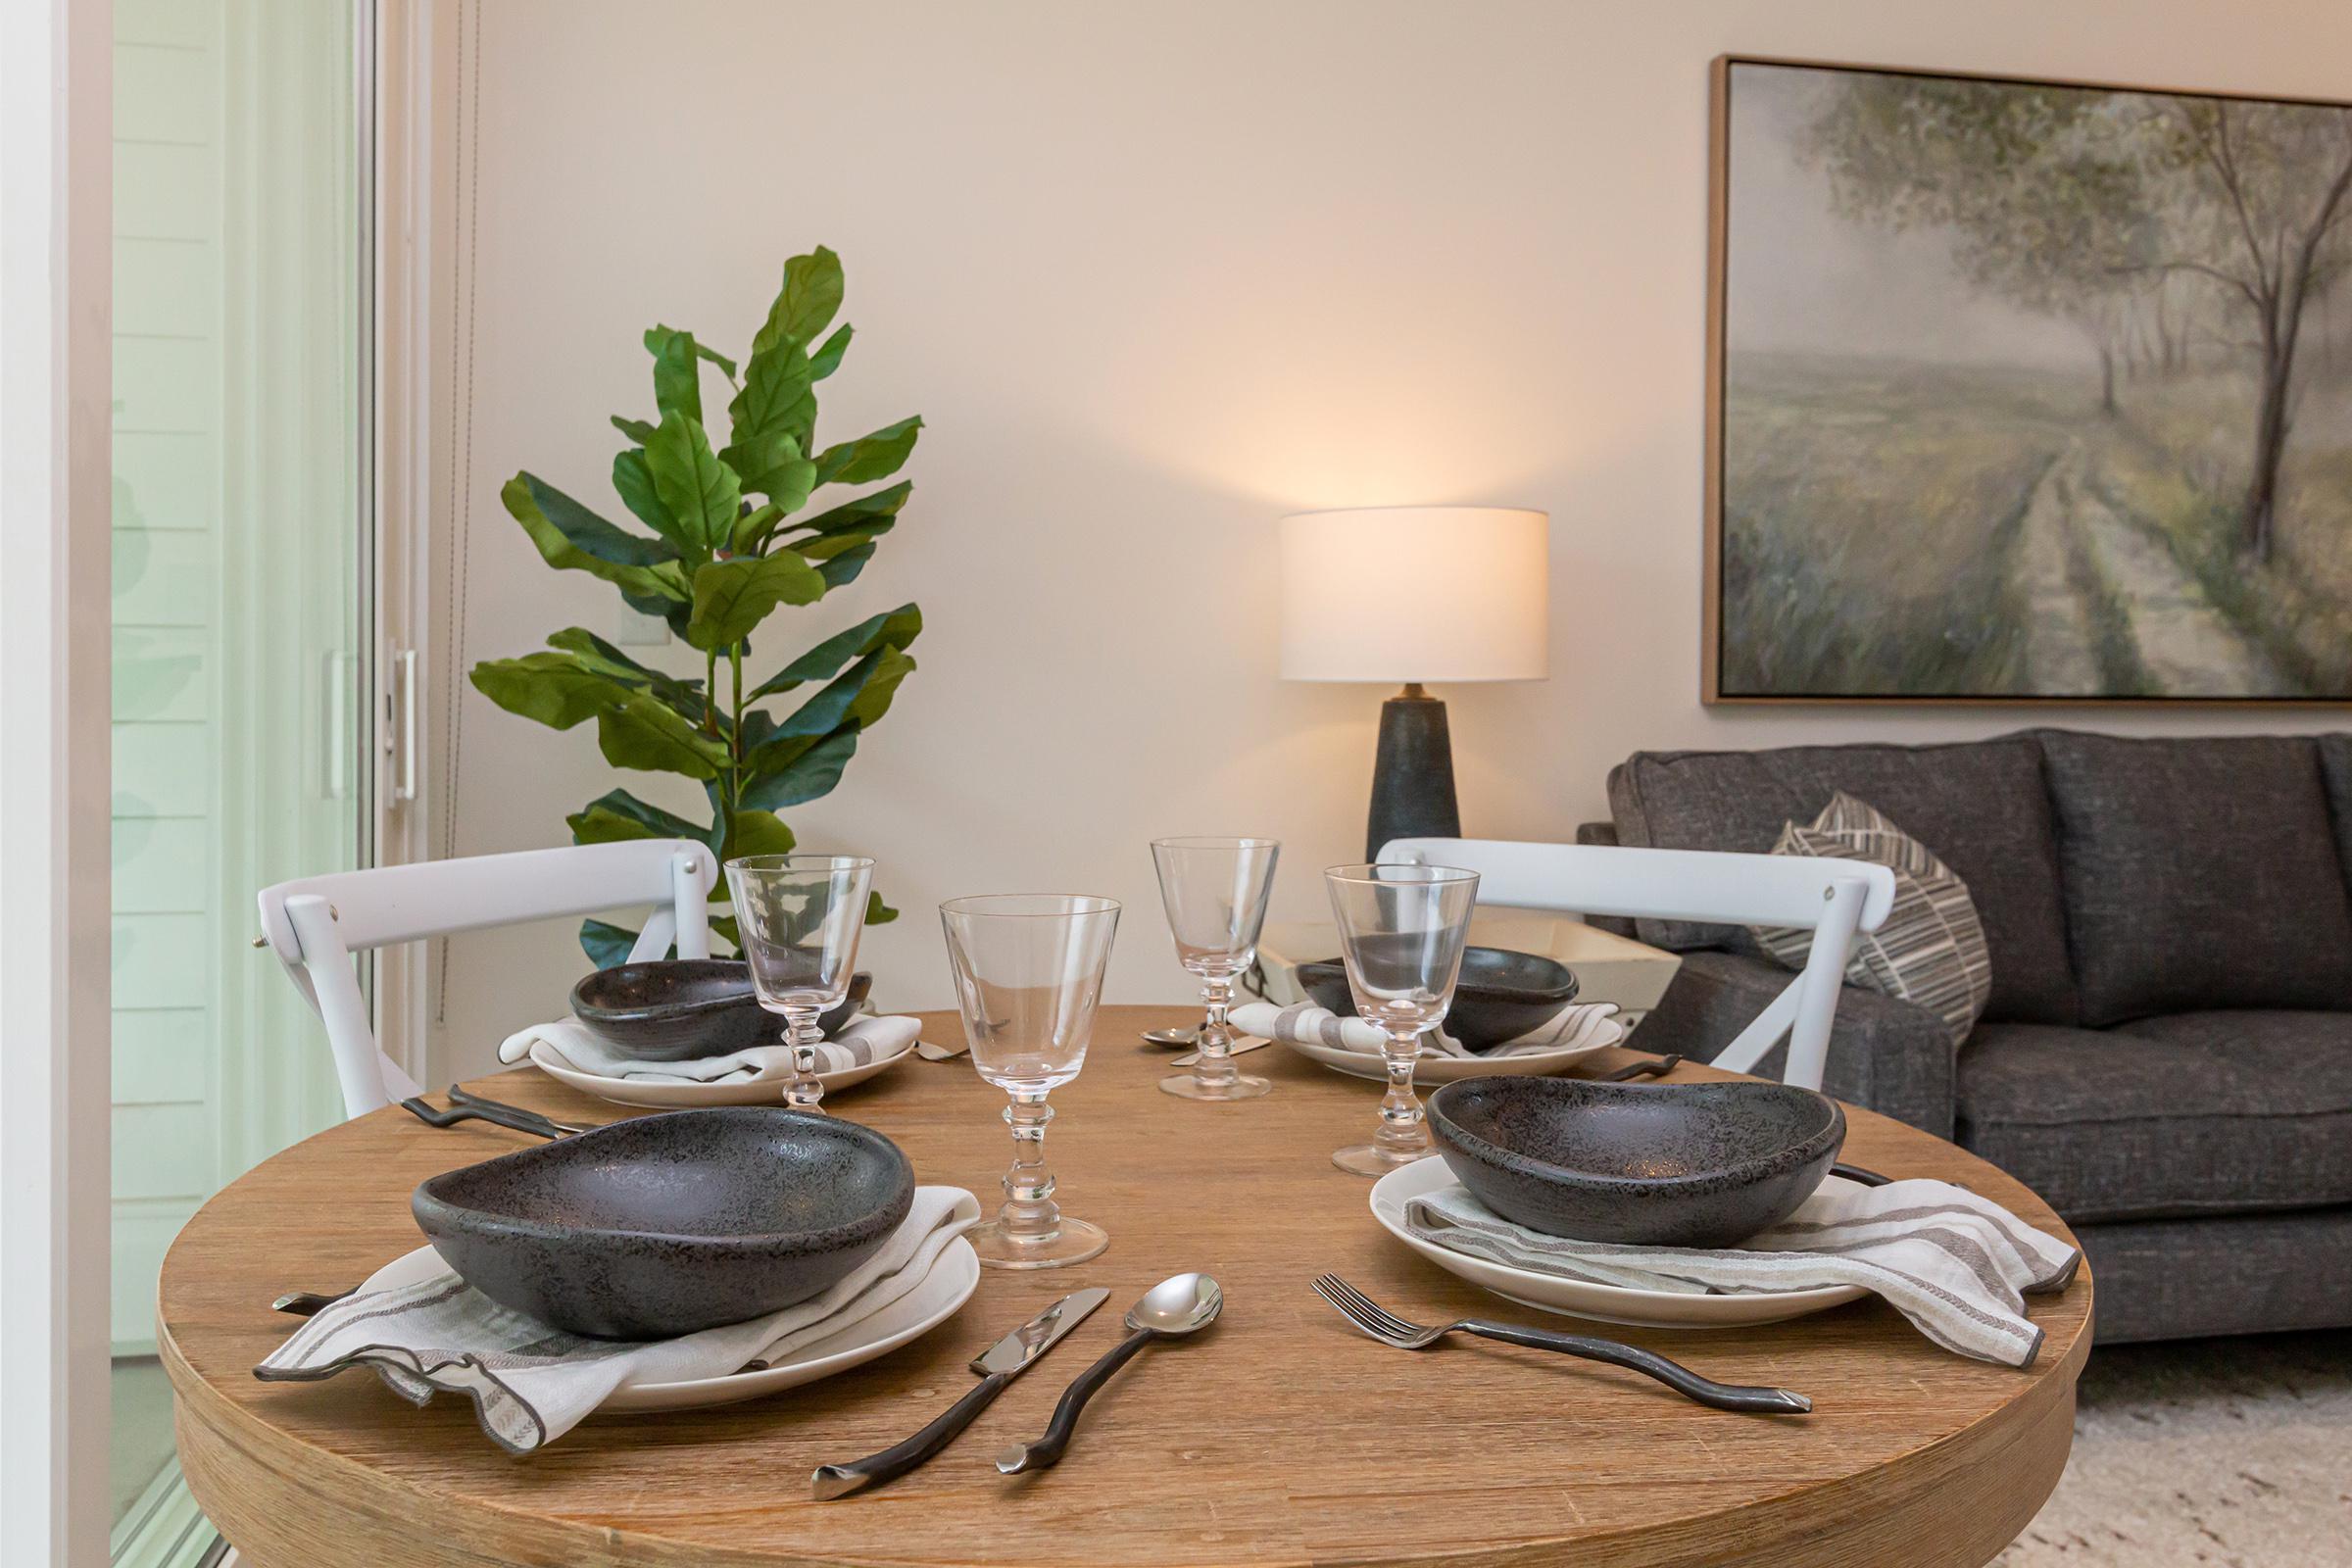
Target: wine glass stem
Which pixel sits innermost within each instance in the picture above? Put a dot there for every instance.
(1214, 1062)
(804, 1035)
(1030, 1213)
(1402, 1128)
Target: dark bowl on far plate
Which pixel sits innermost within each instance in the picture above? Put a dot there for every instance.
(672, 1010)
(665, 1225)
(1648, 1165)
(1502, 995)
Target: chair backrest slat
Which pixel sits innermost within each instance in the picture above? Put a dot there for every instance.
(1833, 899)
(350, 911)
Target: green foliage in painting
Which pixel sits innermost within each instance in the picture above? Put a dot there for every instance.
(729, 539)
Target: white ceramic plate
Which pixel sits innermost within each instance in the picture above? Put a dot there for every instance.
(684, 1097)
(1606, 1304)
(1445, 1069)
(949, 1284)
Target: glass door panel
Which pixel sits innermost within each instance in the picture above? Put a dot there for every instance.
(240, 624)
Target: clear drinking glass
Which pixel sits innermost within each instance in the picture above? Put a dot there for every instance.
(800, 917)
(1028, 974)
(1215, 891)
(1401, 933)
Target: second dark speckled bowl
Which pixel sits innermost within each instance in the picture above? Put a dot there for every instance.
(665, 1225)
(669, 1009)
(1648, 1165)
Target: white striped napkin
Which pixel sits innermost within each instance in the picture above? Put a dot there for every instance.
(530, 1384)
(1582, 1026)
(1957, 1265)
(863, 1040)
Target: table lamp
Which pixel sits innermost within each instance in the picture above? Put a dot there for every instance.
(1415, 595)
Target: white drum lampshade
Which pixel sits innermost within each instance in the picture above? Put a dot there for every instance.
(1414, 594)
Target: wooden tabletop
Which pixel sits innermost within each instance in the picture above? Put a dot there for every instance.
(1281, 1436)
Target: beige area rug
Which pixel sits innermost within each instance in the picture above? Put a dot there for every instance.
(2235, 1454)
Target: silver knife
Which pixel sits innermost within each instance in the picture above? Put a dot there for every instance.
(998, 1365)
(1240, 1047)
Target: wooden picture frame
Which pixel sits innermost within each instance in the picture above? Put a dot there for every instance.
(2016, 658)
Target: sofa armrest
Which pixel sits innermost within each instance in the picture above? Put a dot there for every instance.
(1604, 833)
(1894, 1056)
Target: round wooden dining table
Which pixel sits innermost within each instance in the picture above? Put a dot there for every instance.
(1280, 1436)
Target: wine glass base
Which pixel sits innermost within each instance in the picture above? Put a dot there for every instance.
(1378, 1159)
(1240, 1086)
(1074, 1241)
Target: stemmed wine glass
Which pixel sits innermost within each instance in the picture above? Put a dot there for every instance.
(799, 918)
(1028, 974)
(1215, 890)
(1401, 933)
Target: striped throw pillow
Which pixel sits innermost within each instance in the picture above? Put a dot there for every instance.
(1931, 948)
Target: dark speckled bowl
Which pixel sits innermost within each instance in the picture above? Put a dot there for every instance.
(662, 1225)
(671, 1009)
(1500, 996)
(1648, 1165)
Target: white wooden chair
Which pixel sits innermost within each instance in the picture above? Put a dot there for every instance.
(1833, 899)
(315, 924)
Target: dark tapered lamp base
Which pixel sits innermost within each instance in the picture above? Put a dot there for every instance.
(1412, 773)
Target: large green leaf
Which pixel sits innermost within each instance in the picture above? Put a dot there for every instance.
(618, 814)
(573, 538)
(702, 349)
(826, 358)
(754, 526)
(861, 514)
(843, 568)
(633, 482)
(807, 302)
(641, 733)
(870, 457)
(608, 945)
(757, 832)
(637, 430)
(874, 699)
(769, 421)
(677, 373)
(555, 689)
(808, 773)
(877, 912)
(822, 713)
(896, 627)
(599, 655)
(699, 492)
(731, 597)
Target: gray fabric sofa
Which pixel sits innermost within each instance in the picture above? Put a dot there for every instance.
(2166, 1053)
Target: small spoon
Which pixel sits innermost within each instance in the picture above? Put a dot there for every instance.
(1184, 1039)
(1181, 1305)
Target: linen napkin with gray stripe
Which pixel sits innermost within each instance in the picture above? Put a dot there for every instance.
(861, 1041)
(530, 1384)
(1957, 1265)
(1585, 1024)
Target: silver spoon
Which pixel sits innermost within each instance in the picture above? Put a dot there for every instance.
(1184, 1039)
(1182, 1305)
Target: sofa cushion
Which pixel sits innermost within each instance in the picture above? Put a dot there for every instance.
(1979, 806)
(2198, 874)
(2200, 1114)
(1930, 950)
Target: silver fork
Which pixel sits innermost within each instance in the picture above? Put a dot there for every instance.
(1389, 1329)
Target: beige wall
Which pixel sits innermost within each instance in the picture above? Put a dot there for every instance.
(1155, 275)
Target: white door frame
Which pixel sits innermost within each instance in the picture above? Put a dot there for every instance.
(55, 511)
(402, 131)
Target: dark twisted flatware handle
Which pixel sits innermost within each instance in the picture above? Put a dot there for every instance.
(1048, 1450)
(830, 1481)
(1674, 1375)
(1654, 1067)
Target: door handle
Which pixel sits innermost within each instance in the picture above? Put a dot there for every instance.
(404, 779)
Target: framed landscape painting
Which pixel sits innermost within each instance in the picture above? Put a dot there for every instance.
(2026, 391)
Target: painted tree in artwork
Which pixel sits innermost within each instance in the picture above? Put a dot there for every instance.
(2082, 204)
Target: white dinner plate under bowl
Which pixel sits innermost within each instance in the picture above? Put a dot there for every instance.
(1445, 1069)
(1606, 1304)
(686, 1095)
(953, 1276)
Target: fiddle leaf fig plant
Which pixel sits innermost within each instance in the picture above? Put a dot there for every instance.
(732, 539)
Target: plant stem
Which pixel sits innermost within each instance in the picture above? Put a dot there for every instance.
(735, 746)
